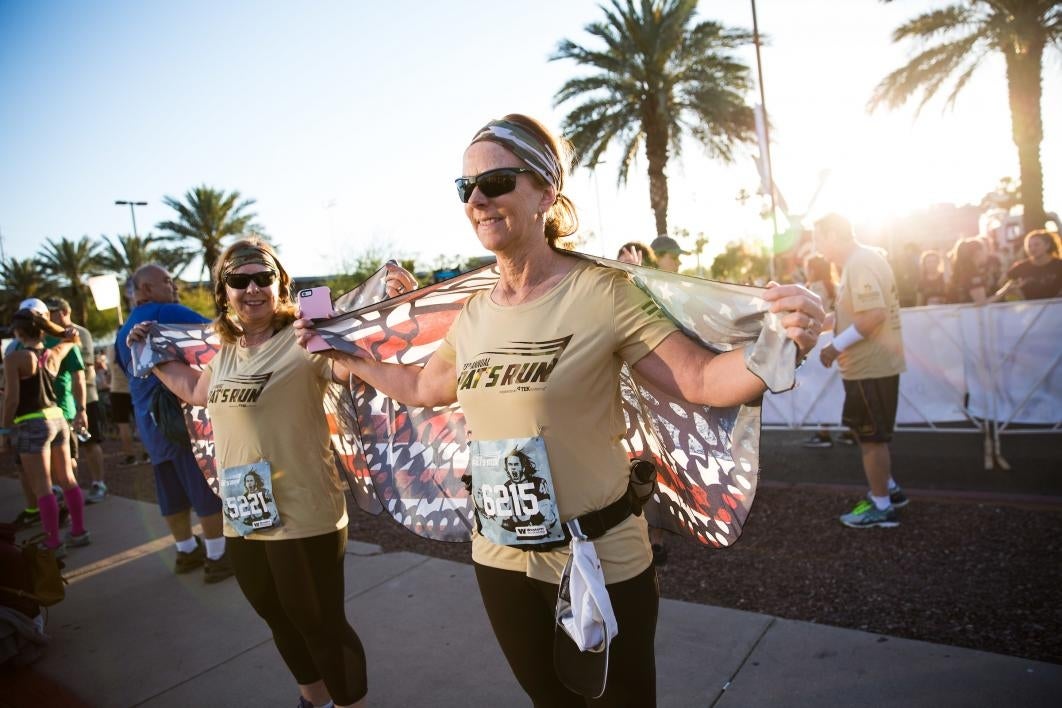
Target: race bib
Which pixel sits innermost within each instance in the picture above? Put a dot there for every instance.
(513, 492)
(247, 497)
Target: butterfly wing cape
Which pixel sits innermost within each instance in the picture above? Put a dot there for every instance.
(707, 458)
(196, 345)
(409, 460)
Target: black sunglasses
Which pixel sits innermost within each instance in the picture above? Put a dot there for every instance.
(493, 183)
(240, 281)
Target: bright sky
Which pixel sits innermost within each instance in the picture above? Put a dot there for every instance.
(346, 120)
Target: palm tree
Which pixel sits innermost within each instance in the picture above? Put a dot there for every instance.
(208, 216)
(72, 261)
(127, 253)
(174, 259)
(955, 40)
(659, 77)
(23, 278)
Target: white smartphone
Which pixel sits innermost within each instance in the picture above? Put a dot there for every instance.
(316, 303)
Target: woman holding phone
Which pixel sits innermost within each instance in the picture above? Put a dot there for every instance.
(588, 320)
(286, 541)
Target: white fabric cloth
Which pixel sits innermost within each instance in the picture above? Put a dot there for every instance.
(591, 615)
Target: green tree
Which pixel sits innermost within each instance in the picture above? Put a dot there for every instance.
(354, 272)
(954, 42)
(741, 264)
(72, 262)
(125, 254)
(659, 77)
(206, 218)
(23, 278)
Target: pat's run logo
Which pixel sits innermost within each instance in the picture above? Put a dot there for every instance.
(239, 390)
(521, 366)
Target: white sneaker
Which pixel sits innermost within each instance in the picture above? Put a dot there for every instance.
(97, 493)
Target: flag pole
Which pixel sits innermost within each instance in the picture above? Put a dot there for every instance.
(766, 140)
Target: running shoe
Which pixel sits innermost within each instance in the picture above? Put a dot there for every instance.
(896, 497)
(97, 493)
(865, 515)
(846, 438)
(77, 540)
(27, 518)
(817, 441)
(59, 551)
(187, 562)
(214, 571)
(127, 461)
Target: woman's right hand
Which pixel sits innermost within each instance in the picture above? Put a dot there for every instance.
(630, 255)
(305, 330)
(139, 332)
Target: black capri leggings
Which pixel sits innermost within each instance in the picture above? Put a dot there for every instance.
(521, 612)
(296, 586)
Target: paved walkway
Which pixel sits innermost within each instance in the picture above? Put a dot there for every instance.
(130, 633)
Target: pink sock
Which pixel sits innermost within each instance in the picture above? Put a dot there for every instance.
(49, 507)
(75, 504)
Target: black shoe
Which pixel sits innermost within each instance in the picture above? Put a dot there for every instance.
(818, 441)
(659, 554)
(846, 438)
(27, 518)
(187, 562)
(214, 571)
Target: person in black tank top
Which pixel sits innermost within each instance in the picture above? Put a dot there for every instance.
(43, 436)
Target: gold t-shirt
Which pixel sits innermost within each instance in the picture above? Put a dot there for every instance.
(867, 283)
(265, 402)
(119, 382)
(551, 367)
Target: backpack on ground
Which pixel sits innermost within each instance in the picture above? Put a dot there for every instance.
(42, 575)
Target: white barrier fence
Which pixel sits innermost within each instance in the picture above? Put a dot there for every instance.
(969, 369)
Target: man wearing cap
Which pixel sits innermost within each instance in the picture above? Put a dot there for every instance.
(69, 388)
(178, 481)
(93, 446)
(667, 253)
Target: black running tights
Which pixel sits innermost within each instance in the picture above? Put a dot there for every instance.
(296, 586)
(521, 612)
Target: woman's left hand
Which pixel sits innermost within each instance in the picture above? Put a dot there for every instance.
(801, 312)
(399, 281)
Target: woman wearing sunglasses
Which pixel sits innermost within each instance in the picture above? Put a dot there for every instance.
(582, 322)
(286, 536)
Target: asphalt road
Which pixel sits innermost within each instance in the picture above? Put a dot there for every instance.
(926, 461)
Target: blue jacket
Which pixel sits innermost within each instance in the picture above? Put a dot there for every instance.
(157, 445)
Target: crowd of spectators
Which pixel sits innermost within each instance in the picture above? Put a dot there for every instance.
(973, 271)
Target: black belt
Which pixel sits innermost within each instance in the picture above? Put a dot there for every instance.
(596, 524)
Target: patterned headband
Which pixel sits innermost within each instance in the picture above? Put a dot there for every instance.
(245, 255)
(525, 145)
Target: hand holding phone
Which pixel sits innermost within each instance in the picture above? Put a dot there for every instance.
(316, 303)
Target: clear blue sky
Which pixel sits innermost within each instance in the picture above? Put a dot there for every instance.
(346, 120)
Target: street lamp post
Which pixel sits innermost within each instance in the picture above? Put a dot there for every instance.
(132, 212)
